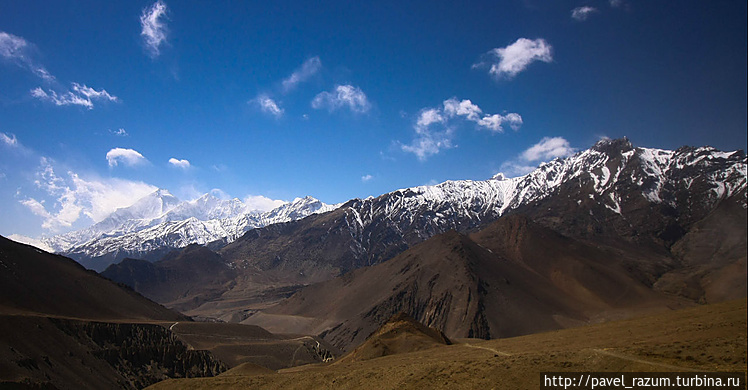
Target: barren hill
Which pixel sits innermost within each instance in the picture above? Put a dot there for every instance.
(36, 282)
(512, 278)
(704, 338)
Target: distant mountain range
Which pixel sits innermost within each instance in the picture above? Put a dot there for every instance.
(160, 222)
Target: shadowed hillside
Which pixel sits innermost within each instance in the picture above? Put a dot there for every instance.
(512, 278)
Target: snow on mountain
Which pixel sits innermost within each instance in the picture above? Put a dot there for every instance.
(611, 168)
(123, 220)
(609, 175)
(160, 221)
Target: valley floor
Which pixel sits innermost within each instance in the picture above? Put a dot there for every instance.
(705, 338)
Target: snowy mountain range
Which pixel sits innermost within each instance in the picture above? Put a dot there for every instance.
(613, 189)
(675, 220)
(613, 176)
(160, 221)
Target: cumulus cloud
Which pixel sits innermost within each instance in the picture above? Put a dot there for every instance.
(308, 69)
(81, 95)
(153, 27)
(9, 139)
(496, 122)
(435, 127)
(342, 96)
(128, 157)
(548, 148)
(366, 178)
(268, 105)
(465, 108)
(19, 51)
(582, 13)
(262, 203)
(75, 197)
(119, 132)
(428, 117)
(511, 60)
(183, 164)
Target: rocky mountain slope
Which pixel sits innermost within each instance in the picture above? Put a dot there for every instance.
(65, 327)
(511, 278)
(648, 196)
(642, 200)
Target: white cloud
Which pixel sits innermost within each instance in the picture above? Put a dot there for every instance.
(18, 50)
(366, 178)
(183, 164)
(515, 168)
(268, 105)
(495, 122)
(342, 96)
(431, 139)
(75, 197)
(153, 27)
(548, 148)
(127, 157)
(582, 13)
(515, 58)
(9, 140)
(615, 3)
(428, 117)
(429, 142)
(119, 132)
(262, 203)
(464, 108)
(81, 95)
(308, 69)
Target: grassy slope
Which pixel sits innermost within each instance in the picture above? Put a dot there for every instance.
(705, 338)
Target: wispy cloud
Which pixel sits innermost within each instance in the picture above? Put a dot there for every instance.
(268, 105)
(547, 149)
(75, 197)
(342, 96)
(153, 27)
(308, 69)
(183, 164)
(582, 13)
(19, 51)
(128, 157)
(81, 95)
(9, 139)
(509, 61)
(119, 132)
(366, 178)
(616, 3)
(435, 127)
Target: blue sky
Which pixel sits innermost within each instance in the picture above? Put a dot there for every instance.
(102, 102)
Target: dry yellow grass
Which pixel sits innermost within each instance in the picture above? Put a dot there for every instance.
(706, 338)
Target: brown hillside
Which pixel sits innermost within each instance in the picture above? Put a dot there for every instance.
(512, 278)
(703, 338)
(400, 334)
(36, 282)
